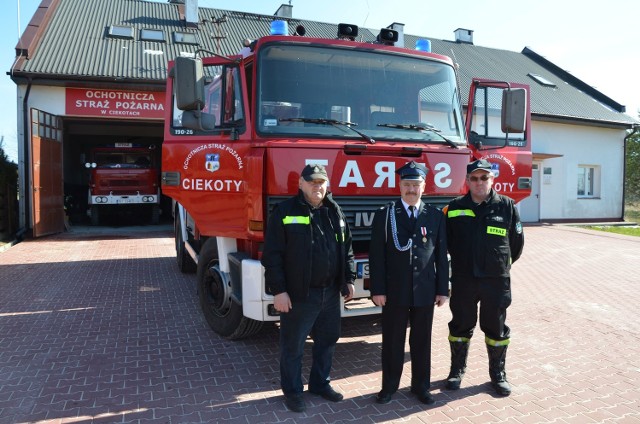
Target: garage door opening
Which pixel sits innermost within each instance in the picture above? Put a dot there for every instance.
(112, 173)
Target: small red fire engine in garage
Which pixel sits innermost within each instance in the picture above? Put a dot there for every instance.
(123, 175)
(239, 130)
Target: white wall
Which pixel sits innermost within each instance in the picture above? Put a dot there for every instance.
(602, 148)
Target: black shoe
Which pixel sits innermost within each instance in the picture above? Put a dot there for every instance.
(329, 394)
(423, 396)
(453, 383)
(383, 397)
(503, 388)
(295, 403)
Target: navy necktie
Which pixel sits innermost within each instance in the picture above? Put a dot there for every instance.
(412, 215)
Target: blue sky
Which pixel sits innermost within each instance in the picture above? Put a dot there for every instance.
(599, 44)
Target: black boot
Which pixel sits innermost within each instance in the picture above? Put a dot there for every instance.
(497, 359)
(459, 352)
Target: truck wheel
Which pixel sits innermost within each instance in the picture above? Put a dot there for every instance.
(155, 214)
(223, 314)
(95, 215)
(185, 261)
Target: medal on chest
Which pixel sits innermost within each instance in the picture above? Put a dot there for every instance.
(423, 230)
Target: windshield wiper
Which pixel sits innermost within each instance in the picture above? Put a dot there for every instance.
(334, 122)
(421, 127)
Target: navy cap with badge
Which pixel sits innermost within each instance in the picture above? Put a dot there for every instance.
(314, 171)
(479, 165)
(412, 171)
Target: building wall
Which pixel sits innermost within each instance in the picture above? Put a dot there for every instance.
(600, 148)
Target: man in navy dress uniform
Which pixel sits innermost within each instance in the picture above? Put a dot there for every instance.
(409, 275)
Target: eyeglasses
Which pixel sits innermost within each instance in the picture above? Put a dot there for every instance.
(476, 179)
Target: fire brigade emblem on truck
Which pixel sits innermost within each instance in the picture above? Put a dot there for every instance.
(212, 162)
(495, 168)
(501, 186)
(491, 158)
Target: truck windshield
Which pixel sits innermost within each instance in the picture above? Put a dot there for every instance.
(123, 160)
(379, 94)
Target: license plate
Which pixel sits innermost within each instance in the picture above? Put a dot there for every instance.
(362, 270)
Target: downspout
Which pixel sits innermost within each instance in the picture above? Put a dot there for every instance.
(26, 165)
(624, 167)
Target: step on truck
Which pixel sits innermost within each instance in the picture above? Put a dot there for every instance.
(239, 129)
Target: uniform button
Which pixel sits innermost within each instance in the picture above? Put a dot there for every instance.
(415, 268)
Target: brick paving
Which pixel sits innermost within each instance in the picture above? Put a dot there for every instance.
(101, 327)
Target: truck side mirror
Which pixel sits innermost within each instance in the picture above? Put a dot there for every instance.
(188, 83)
(514, 110)
(198, 121)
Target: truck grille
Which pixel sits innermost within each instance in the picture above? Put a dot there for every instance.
(359, 210)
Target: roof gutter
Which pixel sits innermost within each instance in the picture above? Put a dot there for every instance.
(114, 83)
(566, 119)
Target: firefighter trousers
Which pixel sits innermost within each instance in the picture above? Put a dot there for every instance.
(494, 297)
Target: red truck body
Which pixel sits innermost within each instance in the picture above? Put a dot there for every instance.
(123, 176)
(240, 129)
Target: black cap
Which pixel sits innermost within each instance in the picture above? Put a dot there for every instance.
(479, 165)
(314, 171)
(412, 171)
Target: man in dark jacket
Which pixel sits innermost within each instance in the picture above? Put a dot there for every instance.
(409, 275)
(485, 237)
(308, 262)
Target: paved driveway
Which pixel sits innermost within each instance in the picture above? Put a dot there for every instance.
(101, 327)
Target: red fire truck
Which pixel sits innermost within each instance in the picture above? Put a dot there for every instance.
(123, 175)
(240, 129)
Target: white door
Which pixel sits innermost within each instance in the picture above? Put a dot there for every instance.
(530, 207)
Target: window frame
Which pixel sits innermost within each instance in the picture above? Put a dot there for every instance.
(588, 182)
(117, 31)
(145, 35)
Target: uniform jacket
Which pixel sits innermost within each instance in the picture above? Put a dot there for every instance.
(485, 239)
(287, 251)
(413, 277)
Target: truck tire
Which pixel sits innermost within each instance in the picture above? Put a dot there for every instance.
(186, 263)
(95, 215)
(223, 314)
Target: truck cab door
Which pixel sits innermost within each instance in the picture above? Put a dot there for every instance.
(498, 126)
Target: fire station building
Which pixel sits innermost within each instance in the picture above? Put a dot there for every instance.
(95, 76)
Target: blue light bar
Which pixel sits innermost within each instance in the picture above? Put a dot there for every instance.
(423, 45)
(278, 28)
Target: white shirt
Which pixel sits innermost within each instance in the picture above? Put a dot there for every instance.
(406, 208)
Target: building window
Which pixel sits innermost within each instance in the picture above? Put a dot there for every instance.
(185, 37)
(121, 31)
(588, 181)
(152, 35)
(541, 80)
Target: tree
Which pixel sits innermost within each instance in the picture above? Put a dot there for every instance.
(8, 195)
(632, 177)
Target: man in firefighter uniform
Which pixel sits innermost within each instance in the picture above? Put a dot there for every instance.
(308, 262)
(409, 275)
(484, 237)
